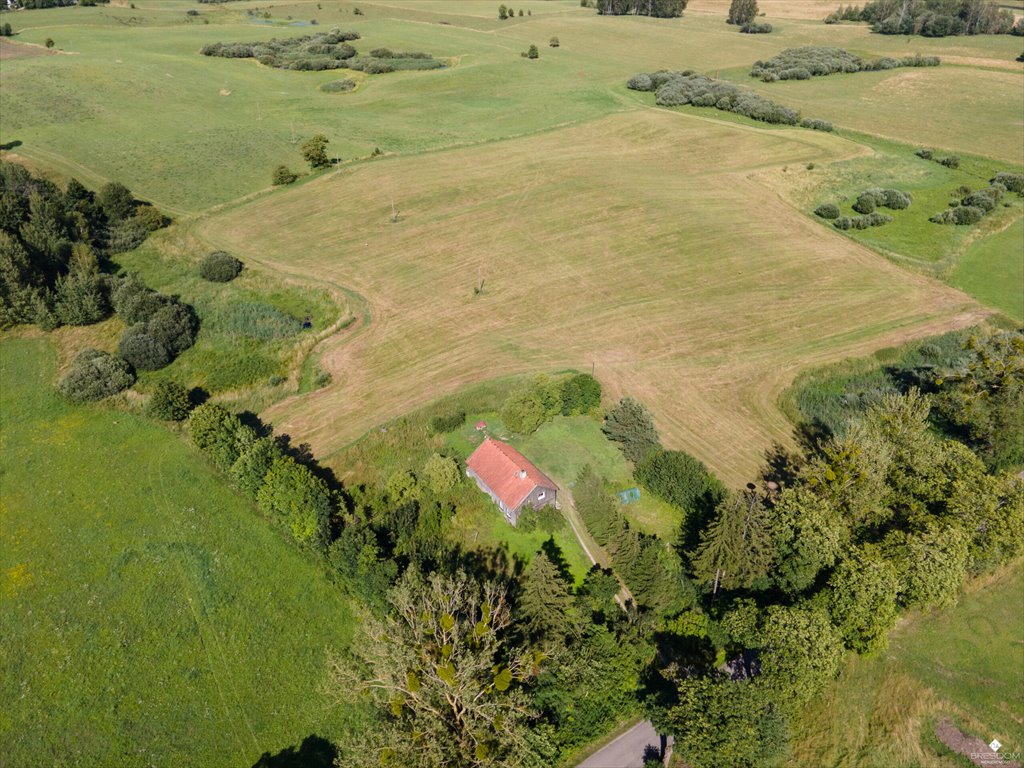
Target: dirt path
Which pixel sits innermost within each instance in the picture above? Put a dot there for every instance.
(971, 747)
(590, 546)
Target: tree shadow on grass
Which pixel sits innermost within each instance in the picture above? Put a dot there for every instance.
(313, 752)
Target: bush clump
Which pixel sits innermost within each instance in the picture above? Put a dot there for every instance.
(283, 175)
(925, 154)
(972, 207)
(688, 87)
(320, 52)
(1014, 182)
(819, 61)
(827, 211)
(344, 85)
(142, 350)
(756, 28)
(865, 203)
(816, 125)
(219, 267)
(169, 402)
(961, 215)
(952, 161)
(95, 375)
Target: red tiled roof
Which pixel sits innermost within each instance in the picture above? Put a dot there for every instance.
(501, 468)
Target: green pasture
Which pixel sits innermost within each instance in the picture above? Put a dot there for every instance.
(964, 662)
(149, 617)
(992, 270)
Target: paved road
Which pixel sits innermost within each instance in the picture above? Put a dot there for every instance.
(627, 751)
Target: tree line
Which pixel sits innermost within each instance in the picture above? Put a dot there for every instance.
(931, 18)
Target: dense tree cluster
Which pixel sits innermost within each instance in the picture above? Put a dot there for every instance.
(818, 61)
(689, 87)
(543, 398)
(931, 18)
(322, 51)
(52, 243)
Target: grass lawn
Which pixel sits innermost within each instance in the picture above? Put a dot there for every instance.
(966, 662)
(149, 617)
(993, 271)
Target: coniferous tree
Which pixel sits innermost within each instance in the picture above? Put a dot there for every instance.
(545, 601)
(630, 424)
(598, 508)
(735, 549)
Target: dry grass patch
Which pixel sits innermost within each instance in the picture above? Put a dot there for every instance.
(639, 243)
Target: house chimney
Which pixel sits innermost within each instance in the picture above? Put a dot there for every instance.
(522, 473)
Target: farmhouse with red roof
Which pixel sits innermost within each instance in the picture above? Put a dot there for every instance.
(504, 474)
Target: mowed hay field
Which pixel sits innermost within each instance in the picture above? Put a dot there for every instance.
(636, 243)
(148, 616)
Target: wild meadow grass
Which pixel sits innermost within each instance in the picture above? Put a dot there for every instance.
(149, 616)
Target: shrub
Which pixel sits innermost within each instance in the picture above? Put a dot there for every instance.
(116, 200)
(298, 499)
(448, 422)
(143, 351)
(827, 211)
(253, 463)
(953, 161)
(283, 175)
(961, 215)
(677, 477)
(865, 203)
(816, 125)
(819, 61)
(150, 218)
(79, 299)
(322, 379)
(133, 301)
(641, 82)
(1014, 182)
(127, 235)
(925, 154)
(169, 402)
(843, 222)
(95, 375)
(219, 267)
(49, 42)
(630, 424)
(687, 87)
(553, 42)
(335, 86)
(756, 28)
(441, 473)
(174, 325)
(219, 434)
(896, 200)
(580, 393)
(532, 52)
(877, 218)
(531, 405)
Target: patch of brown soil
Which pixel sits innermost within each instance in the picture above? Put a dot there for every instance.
(971, 747)
(10, 49)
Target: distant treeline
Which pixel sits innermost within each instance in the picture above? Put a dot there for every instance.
(817, 61)
(36, 4)
(663, 9)
(931, 18)
(688, 87)
(322, 51)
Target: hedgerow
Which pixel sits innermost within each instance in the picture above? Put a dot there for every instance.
(816, 125)
(818, 61)
(320, 52)
(1014, 182)
(688, 87)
